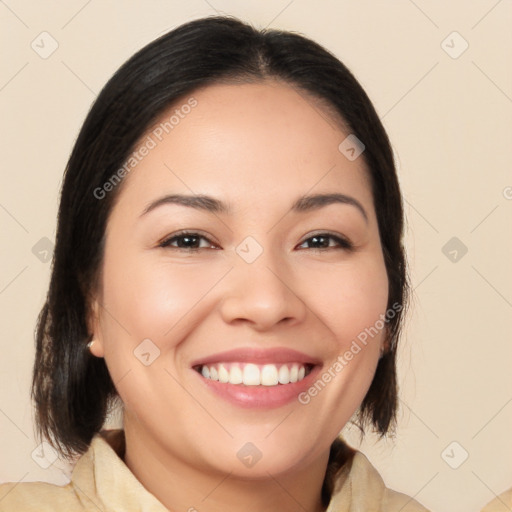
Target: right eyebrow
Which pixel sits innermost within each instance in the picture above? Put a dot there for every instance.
(199, 202)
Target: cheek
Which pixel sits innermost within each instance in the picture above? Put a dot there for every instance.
(148, 301)
(350, 298)
(153, 299)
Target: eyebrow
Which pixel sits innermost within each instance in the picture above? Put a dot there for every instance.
(211, 204)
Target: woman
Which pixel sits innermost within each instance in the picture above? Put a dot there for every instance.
(229, 267)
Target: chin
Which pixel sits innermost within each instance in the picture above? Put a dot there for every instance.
(257, 459)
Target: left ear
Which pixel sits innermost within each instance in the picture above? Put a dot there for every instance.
(385, 343)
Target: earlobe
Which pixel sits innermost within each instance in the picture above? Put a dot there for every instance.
(95, 345)
(95, 348)
(385, 345)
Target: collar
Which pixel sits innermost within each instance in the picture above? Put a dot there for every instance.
(101, 477)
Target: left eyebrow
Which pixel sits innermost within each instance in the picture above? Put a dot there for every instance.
(211, 204)
(316, 201)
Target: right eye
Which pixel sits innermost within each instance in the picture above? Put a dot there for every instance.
(185, 241)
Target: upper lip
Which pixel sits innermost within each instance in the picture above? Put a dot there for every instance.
(259, 356)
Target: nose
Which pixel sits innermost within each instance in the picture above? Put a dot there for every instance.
(263, 294)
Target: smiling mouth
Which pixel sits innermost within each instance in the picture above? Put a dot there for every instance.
(250, 374)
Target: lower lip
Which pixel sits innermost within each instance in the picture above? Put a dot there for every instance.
(264, 397)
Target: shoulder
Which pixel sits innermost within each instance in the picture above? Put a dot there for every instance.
(38, 496)
(502, 503)
(390, 500)
(360, 487)
(78, 495)
(100, 481)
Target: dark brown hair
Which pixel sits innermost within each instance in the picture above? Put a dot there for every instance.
(72, 390)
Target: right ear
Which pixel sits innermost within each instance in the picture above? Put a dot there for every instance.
(94, 328)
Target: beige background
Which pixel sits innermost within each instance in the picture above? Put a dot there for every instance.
(450, 122)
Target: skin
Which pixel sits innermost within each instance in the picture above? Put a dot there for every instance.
(258, 147)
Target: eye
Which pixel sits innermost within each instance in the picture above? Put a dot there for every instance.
(321, 241)
(186, 240)
(191, 241)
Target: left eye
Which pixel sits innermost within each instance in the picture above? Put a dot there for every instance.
(322, 239)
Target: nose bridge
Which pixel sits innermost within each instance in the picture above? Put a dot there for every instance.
(260, 290)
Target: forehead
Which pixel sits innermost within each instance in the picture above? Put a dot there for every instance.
(253, 142)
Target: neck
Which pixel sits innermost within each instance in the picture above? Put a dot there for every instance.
(182, 486)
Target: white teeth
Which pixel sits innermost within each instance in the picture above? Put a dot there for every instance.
(250, 374)
(294, 373)
(284, 375)
(235, 375)
(223, 374)
(269, 376)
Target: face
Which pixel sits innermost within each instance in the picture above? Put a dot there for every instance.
(219, 337)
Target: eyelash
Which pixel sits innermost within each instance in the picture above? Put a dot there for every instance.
(343, 243)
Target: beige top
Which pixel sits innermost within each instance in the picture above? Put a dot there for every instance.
(102, 482)
(502, 503)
